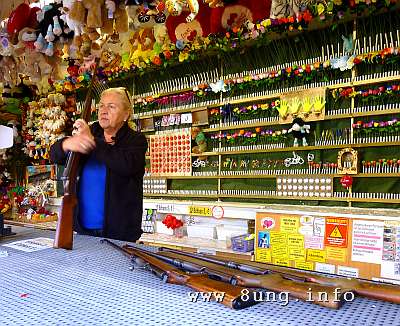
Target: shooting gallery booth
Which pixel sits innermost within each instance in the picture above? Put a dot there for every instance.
(186, 162)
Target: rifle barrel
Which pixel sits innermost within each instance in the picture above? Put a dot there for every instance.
(372, 290)
(232, 297)
(326, 296)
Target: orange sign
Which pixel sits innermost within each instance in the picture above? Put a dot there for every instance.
(336, 232)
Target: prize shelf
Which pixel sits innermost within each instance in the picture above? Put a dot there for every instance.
(273, 176)
(276, 95)
(327, 117)
(343, 199)
(213, 245)
(299, 148)
(160, 114)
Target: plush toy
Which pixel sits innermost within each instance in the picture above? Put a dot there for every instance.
(71, 9)
(114, 17)
(200, 140)
(22, 16)
(161, 39)
(299, 130)
(175, 8)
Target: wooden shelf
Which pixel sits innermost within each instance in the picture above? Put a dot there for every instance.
(246, 196)
(273, 176)
(343, 199)
(160, 114)
(180, 195)
(379, 112)
(375, 80)
(183, 90)
(300, 148)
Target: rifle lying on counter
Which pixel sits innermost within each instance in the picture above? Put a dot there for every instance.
(372, 290)
(327, 296)
(200, 282)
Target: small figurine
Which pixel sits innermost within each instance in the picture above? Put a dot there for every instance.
(200, 140)
(299, 130)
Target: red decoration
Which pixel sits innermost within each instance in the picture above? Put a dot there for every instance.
(346, 181)
(171, 222)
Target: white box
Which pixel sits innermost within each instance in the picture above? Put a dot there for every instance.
(161, 228)
(225, 232)
(201, 231)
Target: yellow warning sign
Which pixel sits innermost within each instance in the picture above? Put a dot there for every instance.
(336, 233)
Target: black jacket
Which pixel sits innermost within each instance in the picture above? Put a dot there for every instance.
(125, 162)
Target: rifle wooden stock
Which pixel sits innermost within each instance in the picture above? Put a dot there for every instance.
(64, 232)
(372, 290)
(198, 282)
(305, 291)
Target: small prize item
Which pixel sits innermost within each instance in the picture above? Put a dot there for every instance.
(346, 181)
(347, 161)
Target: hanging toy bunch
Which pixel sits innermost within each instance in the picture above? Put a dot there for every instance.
(5, 182)
(46, 121)
(31, 205)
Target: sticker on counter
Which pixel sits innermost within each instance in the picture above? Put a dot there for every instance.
(313, 242)
(316, 255)
(278, 238)
(367, 243)
(336, 232)
(347, 271)
(325, 268)
(319, 227)
(200, 211)
(304, 265)
(306, 225)
(390, 269)
(281, 262)
(298, 254)
(295, 240)
(280, 251)
(218, 212)
(263, 239)
(263, 255)
(289, 224)
(338, 254)
(31, 245)
(267, 223)
(391, 241)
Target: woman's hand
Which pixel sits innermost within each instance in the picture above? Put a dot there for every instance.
(82, 140)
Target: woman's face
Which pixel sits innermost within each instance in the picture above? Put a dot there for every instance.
(112, 113)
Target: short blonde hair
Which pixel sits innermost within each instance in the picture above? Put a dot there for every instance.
(124, 96)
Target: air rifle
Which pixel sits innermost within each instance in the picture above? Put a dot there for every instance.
(326, 296)
(64, 232)
(200, 282)
(372, 290)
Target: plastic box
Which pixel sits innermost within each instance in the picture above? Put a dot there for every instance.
(240, 244)
(226, 232)
(201, 231)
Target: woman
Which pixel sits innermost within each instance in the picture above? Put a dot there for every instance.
(110, 188)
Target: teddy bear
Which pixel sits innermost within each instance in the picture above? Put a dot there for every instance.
(175, 8)
(114, 17)
(75, 25)
(299, 130)
(142, 45)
